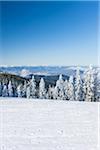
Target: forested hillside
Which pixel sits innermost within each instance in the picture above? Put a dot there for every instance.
(84, 87)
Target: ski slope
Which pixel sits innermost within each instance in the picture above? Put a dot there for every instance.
(48, 125)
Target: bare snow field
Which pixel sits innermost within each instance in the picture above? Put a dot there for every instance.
(48, 125)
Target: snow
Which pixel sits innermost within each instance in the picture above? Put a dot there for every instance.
(24, 72)
(48, 125)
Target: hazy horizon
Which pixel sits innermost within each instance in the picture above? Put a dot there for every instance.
(49, 65)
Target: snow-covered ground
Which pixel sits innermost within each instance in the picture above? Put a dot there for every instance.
(48, 125)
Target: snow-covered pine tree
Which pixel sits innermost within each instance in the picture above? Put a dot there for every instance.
(4, 90)
(88, 85)
(28, 95)
(24, 89)
(10, 89)
(50, 92)
(70, 93)
(19, 90)
(84, 85)
(42, 90)
(15, 84)
(55, 92)
(97, 86)
(78, 86)
(60, 88)
(66, 89)
(47, 95)
(32, 87)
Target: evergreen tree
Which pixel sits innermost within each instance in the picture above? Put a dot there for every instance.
(28, 95)
(97, 85)
(42, 90)
(19, 90)
(78, 87)
(50, 92)
(88, 86)
(10, 89)
(5, 90)
(32, 87)
(71, 89)
(55, 93)
(60, 88)
(66, 89)
(24, 89)
(14, 89)
(46, 95)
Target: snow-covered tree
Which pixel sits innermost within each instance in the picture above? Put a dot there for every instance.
(55, 93)
(19, 90)
(97, 87)
(46, 95)
(10, 89)
(28, 95)
(32, 87)
(66, 89)
(50, 92)
(70, 91)
(5, 91)
(60, 88)
(14, 89)
(78, 86)
(88, 85)
(42, 90)
(24, 89)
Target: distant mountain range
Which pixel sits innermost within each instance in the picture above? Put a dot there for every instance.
(40, 70)
(26, 71)
(48, 73)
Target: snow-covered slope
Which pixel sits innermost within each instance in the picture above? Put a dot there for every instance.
(48, 125)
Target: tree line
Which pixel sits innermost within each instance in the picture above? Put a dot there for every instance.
(82, 87)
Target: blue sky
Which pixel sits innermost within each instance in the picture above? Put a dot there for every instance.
(49, 33)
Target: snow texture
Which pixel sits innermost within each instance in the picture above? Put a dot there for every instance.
(48, 125)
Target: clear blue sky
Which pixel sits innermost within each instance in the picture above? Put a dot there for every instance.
(49, 33)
